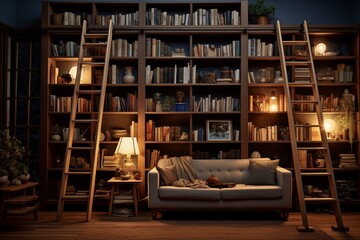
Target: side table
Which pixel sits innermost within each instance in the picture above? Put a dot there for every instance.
(115, 183)
(12, 203)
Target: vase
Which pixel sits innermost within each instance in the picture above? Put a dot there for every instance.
(129, 77)
(262, 20)
(129, 167)
(24, 178)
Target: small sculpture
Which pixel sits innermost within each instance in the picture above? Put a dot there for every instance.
(184, 136)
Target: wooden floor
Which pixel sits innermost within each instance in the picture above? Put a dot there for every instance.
(101, 226)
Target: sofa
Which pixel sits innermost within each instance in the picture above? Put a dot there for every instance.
(259, 184)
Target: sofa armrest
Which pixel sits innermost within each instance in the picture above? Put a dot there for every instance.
(284, 179)
(153, 187)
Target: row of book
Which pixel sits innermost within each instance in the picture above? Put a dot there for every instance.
(64, 104)
(259, 48)
(199, 135)
(151, 158)
(155, 16)
(268, 133)
(344, 73)
(65, 49)
(157, 48)
(118, 19)
(214, 17)
(210, 50)
(119, 104)
(124, 48)
(161, 133)
(214, 104)
(177, 74)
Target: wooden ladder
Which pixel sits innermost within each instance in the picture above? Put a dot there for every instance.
(306, 64)
(89, 43)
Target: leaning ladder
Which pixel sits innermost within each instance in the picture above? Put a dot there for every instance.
(89, 45)
(306, 64)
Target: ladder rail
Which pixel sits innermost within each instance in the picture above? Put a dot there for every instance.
(292, 132)
(99, 124)
(320, 124)
(94, 147)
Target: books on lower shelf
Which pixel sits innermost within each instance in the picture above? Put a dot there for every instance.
(347, 160)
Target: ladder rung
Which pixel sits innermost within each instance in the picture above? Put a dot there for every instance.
(94, 64)
(76, 197)
(93, 35)
(95, 44)
(320, 200)
(295, 43)
(315, 174)
(79, 173)
(303, 101)
(311, 148)
(306, 125)
(85, 120)
(297, 63)
(82, 148)
(89, 91)
(301, 84)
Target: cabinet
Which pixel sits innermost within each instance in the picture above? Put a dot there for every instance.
(201, 87)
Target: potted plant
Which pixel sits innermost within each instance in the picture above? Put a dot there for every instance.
(12, 152)
(23, 172)
(3, 176)
(260, 13)
(346, 119)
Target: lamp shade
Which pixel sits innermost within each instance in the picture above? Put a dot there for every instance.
(127, 146)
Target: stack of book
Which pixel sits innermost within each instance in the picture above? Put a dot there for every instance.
(111, 162)
(347, 160)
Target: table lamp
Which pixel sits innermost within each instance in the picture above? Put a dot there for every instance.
(128, 146)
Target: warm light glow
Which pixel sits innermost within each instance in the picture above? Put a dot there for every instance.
(73, 71)
(329, 126)
(273, 102)
(127, 146)
(320, 49)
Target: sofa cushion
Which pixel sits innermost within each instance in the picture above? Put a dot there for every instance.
(186, 193)
(167, 175)
(262, 172)
(243, 191)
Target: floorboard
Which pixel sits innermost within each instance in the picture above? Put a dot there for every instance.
(190, 225)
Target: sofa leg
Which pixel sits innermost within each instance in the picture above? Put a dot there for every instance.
(156, 215)
(285, 214)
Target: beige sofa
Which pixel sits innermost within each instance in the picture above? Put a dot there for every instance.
(254, 190)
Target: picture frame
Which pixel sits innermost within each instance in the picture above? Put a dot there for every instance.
(218, 130)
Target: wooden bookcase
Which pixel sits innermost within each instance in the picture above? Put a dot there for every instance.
(155, 66)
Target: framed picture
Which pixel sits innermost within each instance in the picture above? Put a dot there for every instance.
(218, 130)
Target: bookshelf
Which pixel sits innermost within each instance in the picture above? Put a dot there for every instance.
(189, 74)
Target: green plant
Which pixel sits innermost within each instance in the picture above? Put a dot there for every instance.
(22, 169)
(346, 119)
(258, 9)
(3, 172)
(12, 152)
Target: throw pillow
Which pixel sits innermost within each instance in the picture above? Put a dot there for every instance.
(167, 175)
(262, 172)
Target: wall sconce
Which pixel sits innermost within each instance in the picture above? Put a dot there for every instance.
(128, 146)
(329, 126)
(320, 49)
(273, 102)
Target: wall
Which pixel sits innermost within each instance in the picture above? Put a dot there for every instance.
(27, 13)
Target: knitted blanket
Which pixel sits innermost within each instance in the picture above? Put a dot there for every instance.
(197, 183)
